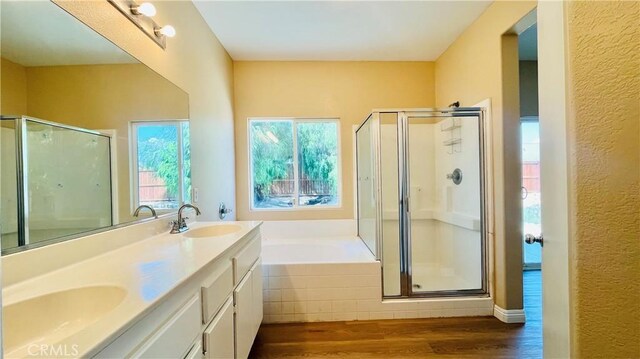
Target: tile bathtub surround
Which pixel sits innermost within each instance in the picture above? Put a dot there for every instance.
(348, 291)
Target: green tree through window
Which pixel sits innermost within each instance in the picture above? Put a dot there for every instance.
(274, 159)
(159, 154)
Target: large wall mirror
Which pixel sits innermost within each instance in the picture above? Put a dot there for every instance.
(88, 133)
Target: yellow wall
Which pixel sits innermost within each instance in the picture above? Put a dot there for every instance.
(604, 177)
(196, 62)
(14, 88)
(472, 69)
(105, 97)
(344, 90)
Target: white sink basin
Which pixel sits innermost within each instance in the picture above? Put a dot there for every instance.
(52, 317)
(212, 231)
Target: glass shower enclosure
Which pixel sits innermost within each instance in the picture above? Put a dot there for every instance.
(421, 206)
(55, 181)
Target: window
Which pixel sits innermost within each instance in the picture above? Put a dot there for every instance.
(294, 163)
(161, 168)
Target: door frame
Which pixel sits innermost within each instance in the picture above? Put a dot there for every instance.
(553, 114)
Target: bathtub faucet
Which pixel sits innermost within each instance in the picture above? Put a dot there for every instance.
(180, 225)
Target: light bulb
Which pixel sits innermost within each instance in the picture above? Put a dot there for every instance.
(146, 9)
(167, 31)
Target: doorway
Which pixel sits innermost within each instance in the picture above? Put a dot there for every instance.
(531, 199)
(530, 181)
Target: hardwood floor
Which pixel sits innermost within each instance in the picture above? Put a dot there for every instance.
(472, 337)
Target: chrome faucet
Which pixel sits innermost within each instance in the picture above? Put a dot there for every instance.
(180, 225)
(137, 212)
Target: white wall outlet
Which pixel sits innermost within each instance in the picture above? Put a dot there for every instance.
(196, 195)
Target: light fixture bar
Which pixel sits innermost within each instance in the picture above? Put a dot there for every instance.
(144, 23)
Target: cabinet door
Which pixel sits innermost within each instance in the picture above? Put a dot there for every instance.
(218, 337)
(244, 321)
(256, 274)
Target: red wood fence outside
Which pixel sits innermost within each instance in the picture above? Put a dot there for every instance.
(531, 176)
(307, 187)
(151, 188)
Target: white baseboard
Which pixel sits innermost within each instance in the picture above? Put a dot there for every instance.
(509, 315)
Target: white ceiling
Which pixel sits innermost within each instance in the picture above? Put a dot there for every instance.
(338, 30)
(528, 44)
(39, 33)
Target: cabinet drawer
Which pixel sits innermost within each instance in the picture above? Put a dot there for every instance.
(215, 291)
(244, 260)
(218, 337)
(174, 338)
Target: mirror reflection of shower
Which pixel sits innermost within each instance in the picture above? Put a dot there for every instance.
(422, 214)
(56, 181)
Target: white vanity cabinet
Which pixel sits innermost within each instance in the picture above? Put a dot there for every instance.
(215, 314)
(230, 334)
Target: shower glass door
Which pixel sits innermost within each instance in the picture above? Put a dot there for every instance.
(65, 202)
(443, 210)
(55, 181)
(394, 268)
(367, 206)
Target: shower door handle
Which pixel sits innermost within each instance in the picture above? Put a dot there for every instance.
(531, 239)
(405, 202)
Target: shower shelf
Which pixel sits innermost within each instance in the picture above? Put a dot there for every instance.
(450, 124)
(453, 127)
(451, 142)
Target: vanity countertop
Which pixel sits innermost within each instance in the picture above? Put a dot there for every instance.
(147, 271)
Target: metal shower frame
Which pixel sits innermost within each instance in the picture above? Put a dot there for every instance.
(22, 177)
(403, 115)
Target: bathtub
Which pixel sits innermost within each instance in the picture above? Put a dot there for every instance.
(346, 249)
(321, 271)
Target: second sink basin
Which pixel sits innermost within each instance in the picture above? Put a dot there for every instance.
(212, 231)
(52, 317)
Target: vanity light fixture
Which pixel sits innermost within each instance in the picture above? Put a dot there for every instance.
(141, 15)
(166, 30)
(146, 9)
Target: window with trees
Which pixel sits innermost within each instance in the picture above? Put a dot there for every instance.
(161, 171)
(294, 163)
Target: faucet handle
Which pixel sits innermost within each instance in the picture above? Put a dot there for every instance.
(223, 210)
(175, 227)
